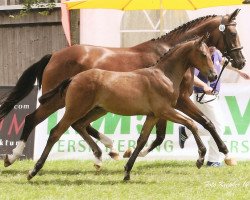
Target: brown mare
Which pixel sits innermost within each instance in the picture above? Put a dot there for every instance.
(155, 90)
(52, 69)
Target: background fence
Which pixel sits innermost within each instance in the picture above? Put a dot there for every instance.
(24, 40)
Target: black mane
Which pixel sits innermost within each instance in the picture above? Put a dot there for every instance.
(182, 28)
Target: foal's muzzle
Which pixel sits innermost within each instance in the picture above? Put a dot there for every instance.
(212, 76)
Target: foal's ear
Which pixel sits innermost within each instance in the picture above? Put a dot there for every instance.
(233, 15)
(203, 39)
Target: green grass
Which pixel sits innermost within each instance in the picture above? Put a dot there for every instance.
(149, 180)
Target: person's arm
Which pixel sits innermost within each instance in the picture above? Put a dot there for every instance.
(207, 89)
(241, 73)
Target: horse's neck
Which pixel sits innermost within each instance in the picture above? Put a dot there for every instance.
(208, 26)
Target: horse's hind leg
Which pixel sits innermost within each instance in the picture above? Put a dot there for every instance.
(145, 132)
(177, 117)
(190, 109)
(160, 136)
(31, 120)
(105, 140)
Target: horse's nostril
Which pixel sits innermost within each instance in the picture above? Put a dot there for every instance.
(215, 77)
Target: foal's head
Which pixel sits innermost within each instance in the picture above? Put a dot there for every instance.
(200, 57)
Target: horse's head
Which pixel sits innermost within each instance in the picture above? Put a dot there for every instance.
(228, 40)
(201, 58)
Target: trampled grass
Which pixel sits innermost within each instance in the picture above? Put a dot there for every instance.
(149, 180)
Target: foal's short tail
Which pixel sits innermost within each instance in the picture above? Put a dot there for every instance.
(24, 85)
(59, 89)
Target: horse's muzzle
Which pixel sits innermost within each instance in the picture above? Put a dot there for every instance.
(239, 64)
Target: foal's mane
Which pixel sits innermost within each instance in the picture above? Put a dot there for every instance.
(165, 55)
(186, 27)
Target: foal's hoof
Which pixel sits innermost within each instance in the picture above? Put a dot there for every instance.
(29, 176)
(128, 153)
(6, 161)
(127, 176)
(231, 161)
(97, 167)
(199, 163)
(114, 155)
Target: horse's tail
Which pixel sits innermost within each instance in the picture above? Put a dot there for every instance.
(59, 89)
(24, 85)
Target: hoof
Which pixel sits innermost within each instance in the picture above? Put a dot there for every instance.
(128, 153)
(97, 167)
(114, 155)
(29, 177)
(199, 163)
(126, 177)
(231, 161)
(6, 161)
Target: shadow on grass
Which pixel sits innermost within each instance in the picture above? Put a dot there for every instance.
(63, 172)
(81, 172)
(13, 172)
(86, 182)
(82, 181)
(137, 169)
(165, 164)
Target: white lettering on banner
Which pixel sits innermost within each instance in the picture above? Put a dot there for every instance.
(124, 131)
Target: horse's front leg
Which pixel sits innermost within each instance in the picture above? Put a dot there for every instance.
(160, 136)
(186, 105)
(31, 120)
(174, 116)
(145, 132)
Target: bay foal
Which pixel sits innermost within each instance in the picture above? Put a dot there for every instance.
(154, 90)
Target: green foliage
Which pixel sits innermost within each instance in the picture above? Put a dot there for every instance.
(175, 180)
(45, 7)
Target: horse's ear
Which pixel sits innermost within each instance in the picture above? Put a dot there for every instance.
(233, 15)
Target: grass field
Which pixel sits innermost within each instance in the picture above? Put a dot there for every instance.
(149, 180)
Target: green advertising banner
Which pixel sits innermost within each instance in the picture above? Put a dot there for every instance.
(125, 130)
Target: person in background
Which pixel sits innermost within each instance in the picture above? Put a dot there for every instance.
(210, 106)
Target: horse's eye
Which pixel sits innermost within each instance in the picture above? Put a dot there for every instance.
(233, 34)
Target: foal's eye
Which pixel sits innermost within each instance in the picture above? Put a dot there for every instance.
(203, 54)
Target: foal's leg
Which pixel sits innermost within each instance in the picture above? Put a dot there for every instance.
(160, 136)
(105, 140)
(189, 108)
(80, 125)
(31, 120)
(54, 136)
(67, 120)
(177, 117)
(145, 132)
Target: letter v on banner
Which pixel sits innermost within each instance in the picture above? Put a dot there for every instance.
(241, 120)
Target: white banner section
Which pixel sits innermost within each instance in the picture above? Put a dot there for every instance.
(124, 131)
